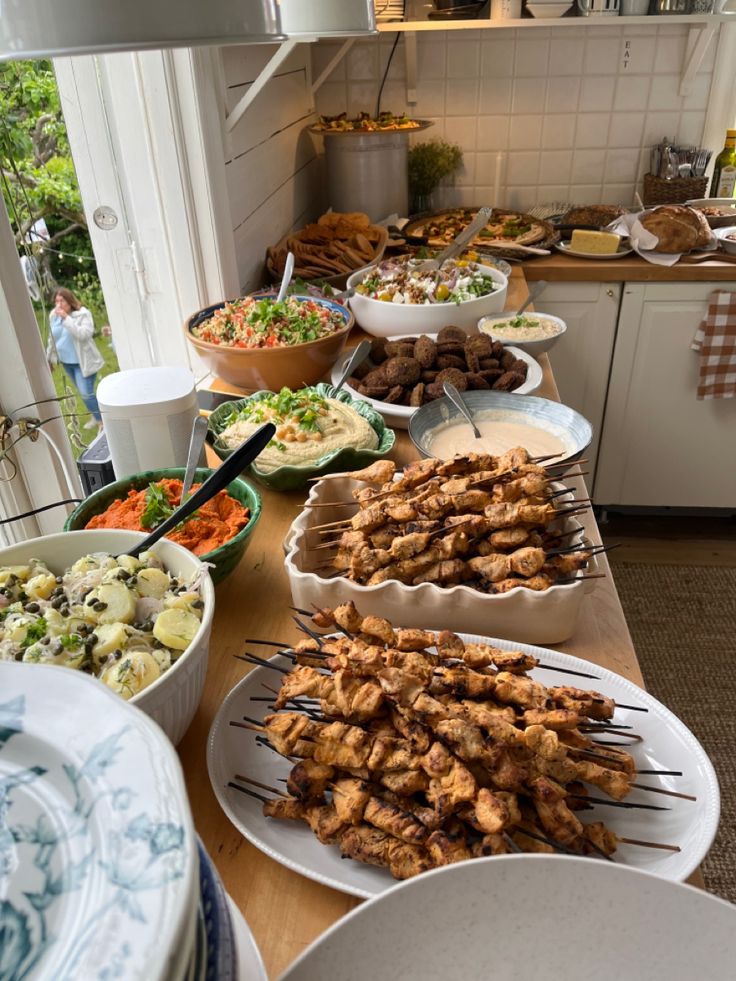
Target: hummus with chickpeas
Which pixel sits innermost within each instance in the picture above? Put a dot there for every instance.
(308, 427)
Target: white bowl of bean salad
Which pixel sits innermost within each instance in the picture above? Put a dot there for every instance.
(395, 296)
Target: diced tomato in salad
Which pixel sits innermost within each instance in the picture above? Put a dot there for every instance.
(261, 322)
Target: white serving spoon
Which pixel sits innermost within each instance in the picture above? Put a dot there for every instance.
(288, 273)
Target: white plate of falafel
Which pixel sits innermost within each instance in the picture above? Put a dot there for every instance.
(403, 373)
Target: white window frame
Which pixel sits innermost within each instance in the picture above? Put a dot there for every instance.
(146, 137)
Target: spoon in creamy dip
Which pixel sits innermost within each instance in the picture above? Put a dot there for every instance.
(457, 400)
(533, 294)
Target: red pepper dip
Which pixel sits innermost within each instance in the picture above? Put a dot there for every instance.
(215, 523)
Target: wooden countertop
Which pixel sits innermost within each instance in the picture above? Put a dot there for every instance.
(558, 268)
(284, 910)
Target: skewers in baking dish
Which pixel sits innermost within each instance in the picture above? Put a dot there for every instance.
(414, 749)
(477, 519)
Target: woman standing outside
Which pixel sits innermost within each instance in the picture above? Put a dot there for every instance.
(72, 331)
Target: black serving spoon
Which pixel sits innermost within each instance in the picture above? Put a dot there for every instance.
(225, 474)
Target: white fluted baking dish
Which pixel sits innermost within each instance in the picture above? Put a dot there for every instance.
(521, 615)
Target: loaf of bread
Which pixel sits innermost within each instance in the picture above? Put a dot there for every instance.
(678, 229)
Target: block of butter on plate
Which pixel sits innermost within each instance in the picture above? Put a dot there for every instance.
(599, 243)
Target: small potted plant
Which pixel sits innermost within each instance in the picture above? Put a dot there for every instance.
(429, 163)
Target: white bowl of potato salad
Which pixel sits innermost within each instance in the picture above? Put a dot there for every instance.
(141, 626)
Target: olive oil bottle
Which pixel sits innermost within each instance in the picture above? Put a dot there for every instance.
(723, 184)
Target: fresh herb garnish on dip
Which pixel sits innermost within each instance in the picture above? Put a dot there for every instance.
(308, 427)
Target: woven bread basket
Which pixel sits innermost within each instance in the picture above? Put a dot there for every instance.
(657, 190)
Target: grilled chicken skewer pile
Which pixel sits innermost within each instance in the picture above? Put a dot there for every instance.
(476, 519)
(421, 758)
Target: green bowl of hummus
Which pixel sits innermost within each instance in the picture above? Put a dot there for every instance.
(318, 431)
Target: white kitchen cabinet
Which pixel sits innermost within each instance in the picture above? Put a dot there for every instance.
(660, 446)
(581, 359)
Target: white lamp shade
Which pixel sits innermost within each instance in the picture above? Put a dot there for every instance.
(45, 28)
(327, 18)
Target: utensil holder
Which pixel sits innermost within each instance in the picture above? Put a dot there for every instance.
(657, 190)
(599, 8)
(673, 6)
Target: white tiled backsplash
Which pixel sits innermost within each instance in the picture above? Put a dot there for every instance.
(574, 110)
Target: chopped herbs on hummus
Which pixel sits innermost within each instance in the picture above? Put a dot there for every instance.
(308, 426)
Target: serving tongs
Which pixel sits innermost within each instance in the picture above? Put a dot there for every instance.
(217, 481)
(458, 243)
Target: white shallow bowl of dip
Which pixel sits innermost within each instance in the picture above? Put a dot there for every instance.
(553, 418)
(384, 319)
(173, 698)
(486, 325)
(521, 615)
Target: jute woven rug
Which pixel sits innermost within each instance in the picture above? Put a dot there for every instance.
(683, 623)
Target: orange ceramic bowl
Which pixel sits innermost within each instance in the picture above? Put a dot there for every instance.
(274, 367)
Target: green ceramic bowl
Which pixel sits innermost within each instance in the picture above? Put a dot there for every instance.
(223, 559)
(293, 477)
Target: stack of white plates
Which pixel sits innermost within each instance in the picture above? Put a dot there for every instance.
(99, 873)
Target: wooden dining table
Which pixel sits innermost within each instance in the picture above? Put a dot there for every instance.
(284, 910)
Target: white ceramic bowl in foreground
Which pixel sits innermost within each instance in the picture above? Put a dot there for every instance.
(502, 917)
(388, 319)
(172, 700)
(486, 326)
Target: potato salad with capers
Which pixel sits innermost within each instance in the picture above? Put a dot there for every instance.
(123, 620)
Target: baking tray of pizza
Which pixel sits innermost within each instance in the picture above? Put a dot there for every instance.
(504, 230)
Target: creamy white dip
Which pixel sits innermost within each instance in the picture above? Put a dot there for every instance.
(498, 434)
(528, 327)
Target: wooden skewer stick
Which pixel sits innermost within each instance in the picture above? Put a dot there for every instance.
(263, 786)
(555, 479)
(573, 579)
(660, 790)
(607, 742)
(634, 708)
(260, 662)
(650, 844)
(627, 805)
(328, 524)
(307, 630)
(511, 843)
(596, 848)
(579, 674)
(330, 504)
(268, 643)
(254, 722)
(582, 547)
(565, 463)
(250, 793)
(603, 726)
(242, 725)
(262, 741)
(547, 841)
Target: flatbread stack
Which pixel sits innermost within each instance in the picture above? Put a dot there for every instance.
(598, 215)
(336, 244)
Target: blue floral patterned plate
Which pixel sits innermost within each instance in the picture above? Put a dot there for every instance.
(98, 869)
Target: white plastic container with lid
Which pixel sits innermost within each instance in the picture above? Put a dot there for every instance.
(148, 415)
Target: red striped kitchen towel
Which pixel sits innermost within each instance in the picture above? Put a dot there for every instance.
(716, 341)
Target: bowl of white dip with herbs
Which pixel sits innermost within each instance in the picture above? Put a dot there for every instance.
(533, 332)
(318, 431)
